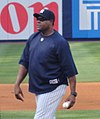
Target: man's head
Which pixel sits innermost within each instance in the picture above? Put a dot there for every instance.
(44, 15)
(45, 20)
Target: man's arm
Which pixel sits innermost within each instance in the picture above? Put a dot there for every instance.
(72, 96)
(20, 77)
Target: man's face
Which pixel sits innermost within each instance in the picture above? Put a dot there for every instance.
(43, 24)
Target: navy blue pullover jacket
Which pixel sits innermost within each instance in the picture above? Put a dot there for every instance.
(49, 62)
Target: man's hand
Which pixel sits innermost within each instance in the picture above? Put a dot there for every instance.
(72, 97)
(18, 93)
(72, 100)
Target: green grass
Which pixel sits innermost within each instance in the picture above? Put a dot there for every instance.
(87, 59)
(86, 56)
(62, 114)
(9, 57)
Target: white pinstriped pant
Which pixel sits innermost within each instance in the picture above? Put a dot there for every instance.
(47, 103)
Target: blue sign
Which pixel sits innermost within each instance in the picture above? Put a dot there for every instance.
(85, 18)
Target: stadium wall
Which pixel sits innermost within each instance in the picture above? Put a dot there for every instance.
(75, 19)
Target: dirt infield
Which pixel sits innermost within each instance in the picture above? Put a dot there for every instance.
(88, 98)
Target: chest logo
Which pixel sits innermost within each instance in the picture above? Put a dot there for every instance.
(42, 39)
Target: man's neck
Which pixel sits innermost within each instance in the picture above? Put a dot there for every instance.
(48, 32)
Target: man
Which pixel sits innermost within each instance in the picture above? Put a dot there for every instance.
(48, 60)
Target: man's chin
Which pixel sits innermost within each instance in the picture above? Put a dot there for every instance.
(39, 30)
